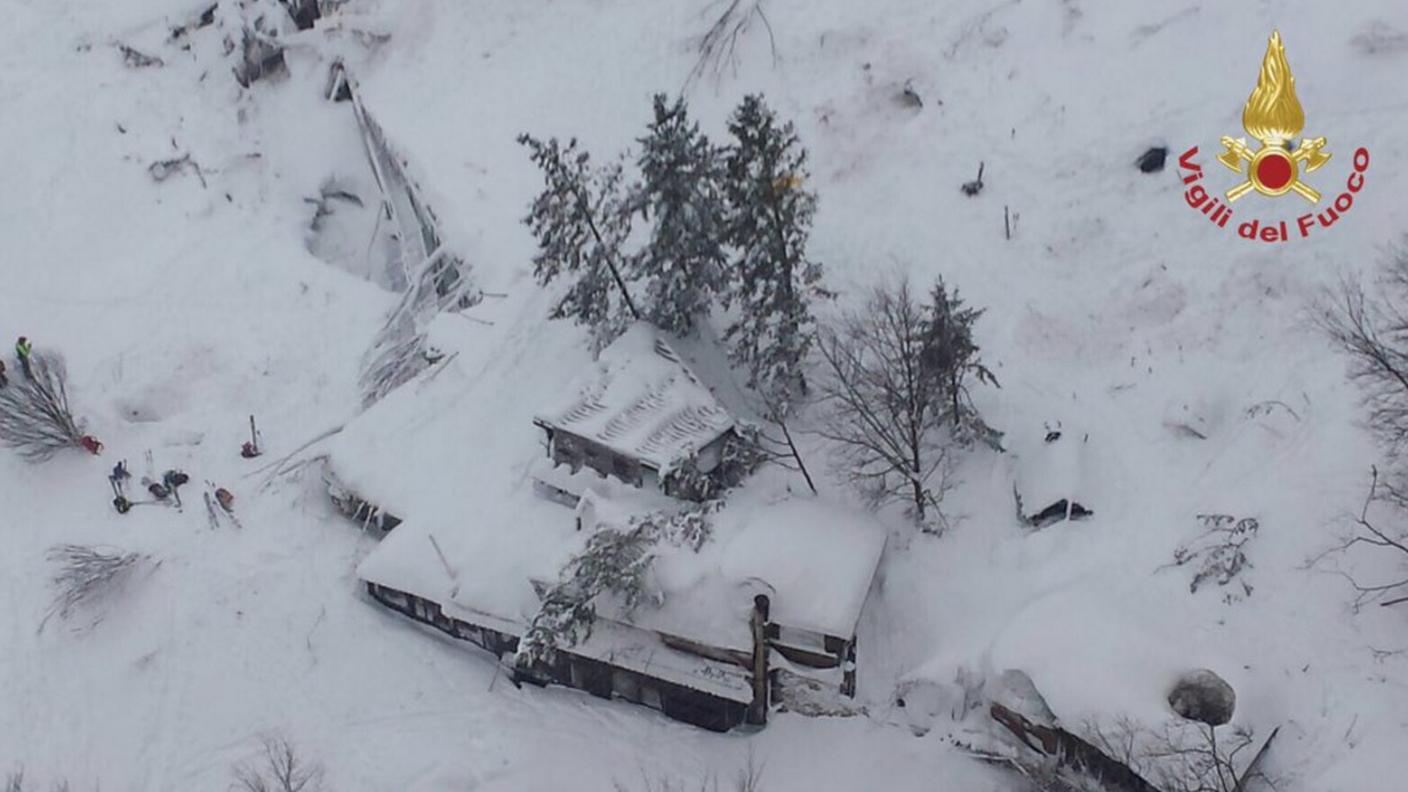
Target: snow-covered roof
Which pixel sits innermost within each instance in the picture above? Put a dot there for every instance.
(814, 559)
(641, 400)
(456, 458)
(641, 651)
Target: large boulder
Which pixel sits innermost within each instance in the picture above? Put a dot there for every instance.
(1203, 696)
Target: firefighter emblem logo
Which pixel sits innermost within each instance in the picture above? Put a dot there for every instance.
(1274, 117)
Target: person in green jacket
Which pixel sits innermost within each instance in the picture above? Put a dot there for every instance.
(23, 351)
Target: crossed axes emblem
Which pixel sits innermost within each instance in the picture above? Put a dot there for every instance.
(1309, 153)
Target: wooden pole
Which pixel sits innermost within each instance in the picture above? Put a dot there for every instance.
(758, 709)
(1006, 222)
(449, 570)
(253, 435)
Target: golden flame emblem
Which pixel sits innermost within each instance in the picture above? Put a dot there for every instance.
(1274, 116)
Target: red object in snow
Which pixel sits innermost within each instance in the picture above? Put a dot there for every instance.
(91, 443)
(248, 451)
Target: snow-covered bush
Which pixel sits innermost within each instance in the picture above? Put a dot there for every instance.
(279, 768)
(14, 782)
(739, 456)
(1219, 554)
(254, 32)
(86, 576)
(35, 417)
(747, 778)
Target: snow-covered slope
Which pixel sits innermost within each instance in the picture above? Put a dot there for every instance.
(183, 307)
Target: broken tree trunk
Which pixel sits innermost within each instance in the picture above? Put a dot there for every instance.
(1071, 751)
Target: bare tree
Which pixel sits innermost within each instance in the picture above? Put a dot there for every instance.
(85, 575)
(885, 406)
(1185, 756)
(718, 47)
(1373, 332)
(1368, 532)
(35, 417)
(279, 768)
(14, 782)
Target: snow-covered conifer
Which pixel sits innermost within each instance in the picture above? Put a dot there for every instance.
(581, 222)
(613, 561)
(950, 355)
(683, 264)
(773, 281)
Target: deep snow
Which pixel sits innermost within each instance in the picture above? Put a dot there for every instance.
(182, 309)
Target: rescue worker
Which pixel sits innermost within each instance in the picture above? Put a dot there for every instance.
(118, 478)
(172, 480)
(23, 351)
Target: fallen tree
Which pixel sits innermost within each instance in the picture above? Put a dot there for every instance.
(35, 417)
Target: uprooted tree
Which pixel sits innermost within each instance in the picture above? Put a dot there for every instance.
(581, 223)
(614, 562)
(86, 577)
(35, 417)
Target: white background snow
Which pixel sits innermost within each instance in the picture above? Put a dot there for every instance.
(183, 308)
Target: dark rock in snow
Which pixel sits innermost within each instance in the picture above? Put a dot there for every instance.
(908, 97)
(1203, 696)
(1152, 161)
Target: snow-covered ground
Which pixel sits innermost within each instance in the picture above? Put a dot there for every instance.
(184, 306)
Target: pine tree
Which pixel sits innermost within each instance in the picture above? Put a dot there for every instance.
(950, 355)
(616, 562)
(773, 282)
(684, 262)
(581, 222)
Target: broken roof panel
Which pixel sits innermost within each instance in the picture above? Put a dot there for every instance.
(641, 400)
